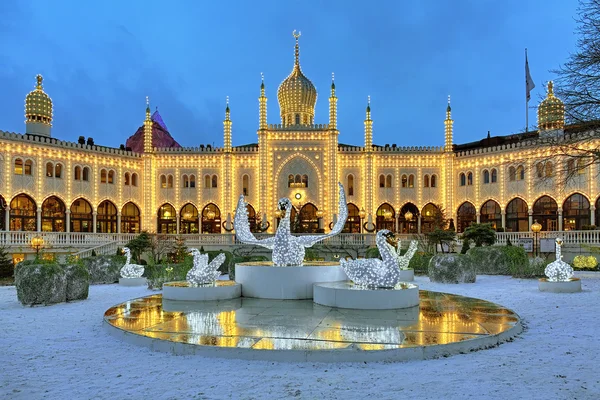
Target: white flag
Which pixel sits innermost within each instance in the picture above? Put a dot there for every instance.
(529, 85)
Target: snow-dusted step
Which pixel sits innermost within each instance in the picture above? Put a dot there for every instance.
(348, 295)
(573, 285)
(132, 281)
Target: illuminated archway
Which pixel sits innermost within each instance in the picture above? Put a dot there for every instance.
(384, 217)
(211, 219)
(465, 216)
(23, 213)
(53, 215)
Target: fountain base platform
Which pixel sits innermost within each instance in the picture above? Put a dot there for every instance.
(348, 295)
(132, 281)
(573, 285)
(219, 290)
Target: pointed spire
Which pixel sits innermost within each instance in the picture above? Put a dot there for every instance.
(368, 127)
(297, 49)
(448, 128)
(332, 105)
(262, 84)
(148, 139)
(262, 104)
(332, 83)
(448, 109)
(368, 107)
(227, 108)
(550, 89)
(147, 108)
(39, 79)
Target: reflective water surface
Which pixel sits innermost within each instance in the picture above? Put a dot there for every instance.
(263, 324)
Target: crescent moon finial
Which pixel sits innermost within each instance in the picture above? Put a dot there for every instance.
(296, 35)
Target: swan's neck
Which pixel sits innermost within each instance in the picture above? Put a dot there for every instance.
(284, 224)
(385, 249)
(128, 258)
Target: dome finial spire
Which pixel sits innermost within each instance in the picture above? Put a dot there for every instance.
(551, 88)
(39, 79)
(297, 52)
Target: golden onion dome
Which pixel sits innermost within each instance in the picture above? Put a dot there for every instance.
(38, 105)
(551, 111)
(297, 95)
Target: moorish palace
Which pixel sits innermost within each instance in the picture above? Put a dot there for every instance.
(154, 184)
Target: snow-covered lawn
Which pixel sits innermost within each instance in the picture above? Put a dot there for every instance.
(64, 352)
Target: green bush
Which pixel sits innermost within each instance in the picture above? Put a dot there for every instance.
(480, 234)
(6, 264)
(491, 260)
(518, 262)
(419, 263)
(104, 269)
(78, 281)
(372, 252)
(40, 283)
(451, 268)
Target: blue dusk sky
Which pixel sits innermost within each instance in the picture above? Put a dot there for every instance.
(101, 59)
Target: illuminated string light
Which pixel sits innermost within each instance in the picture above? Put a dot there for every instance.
(203, 272)
(131, 270)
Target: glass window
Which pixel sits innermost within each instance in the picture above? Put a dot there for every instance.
(494, 175)
(77, 173)
(426, 181)
(111, 176)
(86, 174)
(214, 181)
(102, 176)
(433, 180)
(126, 178)
(411, 181)
(28, 167)
(49, 170)
(350, 185)
(58, 170)
(134, 179)
(18, 166)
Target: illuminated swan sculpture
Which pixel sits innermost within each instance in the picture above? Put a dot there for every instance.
(202, 272)
(558, 270)
(131, 270)
(373, 272)
(288, 250)
(404, 260)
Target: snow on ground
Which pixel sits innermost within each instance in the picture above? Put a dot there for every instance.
(64, 352)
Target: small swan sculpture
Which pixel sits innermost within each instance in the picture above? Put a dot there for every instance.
(203, 272)
(558, 270)
(373, 272)
(404, 260)
(131, 270)
(288, 250)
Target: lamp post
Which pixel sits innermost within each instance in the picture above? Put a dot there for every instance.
(37, 243)
(362, 214)
(536, 228)
(408, 216)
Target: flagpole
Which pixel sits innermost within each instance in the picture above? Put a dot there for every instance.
(526, 98)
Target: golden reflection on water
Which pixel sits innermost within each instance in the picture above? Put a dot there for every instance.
(440, 319)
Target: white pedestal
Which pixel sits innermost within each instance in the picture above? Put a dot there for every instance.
(346, 295)
(284, 283)
(222, 290)
(132, 281)
(407, 275)
(571, 286)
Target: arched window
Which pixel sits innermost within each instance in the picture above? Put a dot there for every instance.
(463, 179)
(106, 219)
(576, 212)
(404, 181)
(353, 222)
(545, 212)
(466, 215)
(163, 182)
(290, 180)
(307, 219)
(53, 215)
(251, 217)
(581, 163)
(305, 180)
(58, 170)
(86, 174)
(486, 176)
(469, 179)
(207, 181)
(388, 181)
(429, 218)
(406, 224)
(350, 185)
(192, 181)
(517, 216)
(426, 181)
(188, 219)
(512, 174)
(433, 180)
(549, 169)
(49, 170)
(297, 119)
(491, 214)
(186, 181)
(520, 173)
(494, 175)
(170, 182)
(298, 179)
(127, 183)
(381, 181)
(23, 213)
(245, 185)
(384, 217)
(539, 168)
(28, 167)
(130, 218)
(134, 179)
(81, 216)
(214, 181)
(18, 166)
(167, 220)
(77, 176)
(411, 181)
(102, 176)
(111, 176)
(211, 219)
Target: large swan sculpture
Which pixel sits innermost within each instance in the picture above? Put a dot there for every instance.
(288, 250)
(204, 272)
(558, 270)
(373, 272)
(131, 270)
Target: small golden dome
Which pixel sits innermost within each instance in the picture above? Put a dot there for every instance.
(297, 95)
(38, 105)
(551, 111)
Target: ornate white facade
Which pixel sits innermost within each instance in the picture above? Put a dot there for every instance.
(51, 185)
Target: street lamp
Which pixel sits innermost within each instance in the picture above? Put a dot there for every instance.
(362, 214)
(37, 243)
(536, 228)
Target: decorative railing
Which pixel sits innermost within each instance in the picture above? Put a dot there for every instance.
(103, 249)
